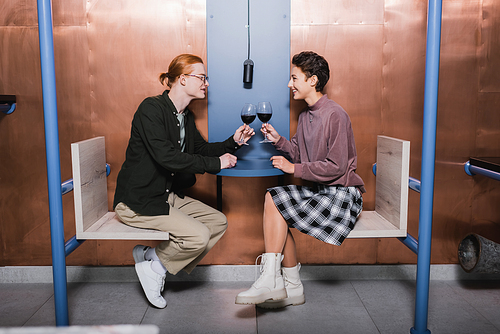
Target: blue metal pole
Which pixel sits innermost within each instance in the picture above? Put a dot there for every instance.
(410, 242)
(414, 184)
(428, 165)
(72, 244)
(53, 160)
(67, 186)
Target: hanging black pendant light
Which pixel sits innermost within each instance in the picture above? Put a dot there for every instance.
(248, 63)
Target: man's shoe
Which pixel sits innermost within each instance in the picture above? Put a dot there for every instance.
(151, 282)
(139, 253)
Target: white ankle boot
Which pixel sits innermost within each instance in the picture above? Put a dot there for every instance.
(269, 285)
(294, 290)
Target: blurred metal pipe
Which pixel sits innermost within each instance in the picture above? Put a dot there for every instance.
(53, 160)
(473, 170)
(72, 244)
(410, 242)
(434, 14)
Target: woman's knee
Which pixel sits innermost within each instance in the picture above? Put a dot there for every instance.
(269, 206)
(268, 200)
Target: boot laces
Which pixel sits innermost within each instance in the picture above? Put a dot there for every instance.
(260, 268)
(286, 278)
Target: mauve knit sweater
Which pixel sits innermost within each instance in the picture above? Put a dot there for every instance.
(323, 149)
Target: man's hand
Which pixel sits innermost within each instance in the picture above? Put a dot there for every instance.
(243, 134)
(227, 161)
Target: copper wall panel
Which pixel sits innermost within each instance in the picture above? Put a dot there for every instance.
(69, 12)
(108, 57)
(403, 71)
(485, 219)
(23, 194)
(403, 80)
(402, 101)
(457, 110)
(24, 182)
(488, 125)
(458, 81)
(18, 13)
(337, 12)
(490, 47)
(24, 12)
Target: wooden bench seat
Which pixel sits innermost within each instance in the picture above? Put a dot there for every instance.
(93, 221)
(391, 194)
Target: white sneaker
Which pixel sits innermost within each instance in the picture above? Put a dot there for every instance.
(139, 253)
(151, 282)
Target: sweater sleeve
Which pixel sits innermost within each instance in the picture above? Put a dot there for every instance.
(336, 160)
(290, 148)
(201, 146)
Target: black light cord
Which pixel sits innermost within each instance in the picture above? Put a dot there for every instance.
(248, 63)
(248, 27)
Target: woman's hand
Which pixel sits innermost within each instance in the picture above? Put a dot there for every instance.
(272, 134)
(243, 134)
(227, 161)
(283, 164)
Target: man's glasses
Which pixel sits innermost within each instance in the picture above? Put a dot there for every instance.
(202, 77)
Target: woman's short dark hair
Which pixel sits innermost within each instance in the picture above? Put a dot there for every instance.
(311, 64)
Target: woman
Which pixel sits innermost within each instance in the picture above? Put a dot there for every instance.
(322, 151)
(164, 152)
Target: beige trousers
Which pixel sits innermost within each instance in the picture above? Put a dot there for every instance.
(194, 229)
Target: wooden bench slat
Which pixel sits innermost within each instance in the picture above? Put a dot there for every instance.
(93, 221)
(391, 193)
(372, 225)
(109, 227)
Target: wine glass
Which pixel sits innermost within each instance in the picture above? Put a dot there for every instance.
(264, 112)
(247, 116)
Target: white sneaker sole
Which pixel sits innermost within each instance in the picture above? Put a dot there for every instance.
(272, 304)
(274, 295)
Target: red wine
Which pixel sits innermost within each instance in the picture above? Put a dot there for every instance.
(247, 119)
(264, 118)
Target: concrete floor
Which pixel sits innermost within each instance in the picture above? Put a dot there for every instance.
(333, 306)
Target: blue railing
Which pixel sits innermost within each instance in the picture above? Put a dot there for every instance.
(473, 170)
(73, 243)
(7, 104)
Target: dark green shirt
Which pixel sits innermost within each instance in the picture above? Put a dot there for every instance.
(155, 165)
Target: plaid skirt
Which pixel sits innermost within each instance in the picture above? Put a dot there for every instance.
(327, 213)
